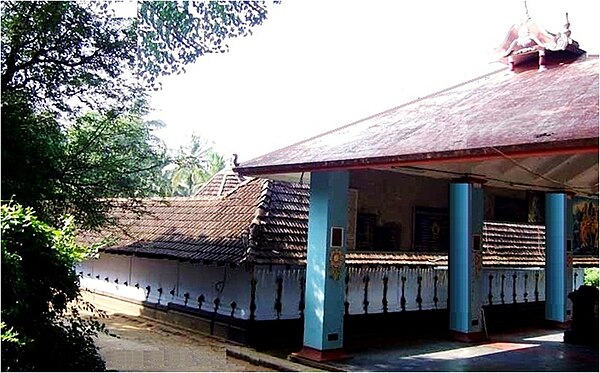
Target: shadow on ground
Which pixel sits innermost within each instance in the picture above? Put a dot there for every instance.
(518, 350)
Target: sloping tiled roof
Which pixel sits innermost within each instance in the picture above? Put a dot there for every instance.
(266, 222)
(195, 229)
(282, 223)
(396, 259)
(548, 111)
(258, 220)
(512, 243)
(221, 183)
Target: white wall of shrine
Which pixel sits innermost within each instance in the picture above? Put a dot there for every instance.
(404, 286)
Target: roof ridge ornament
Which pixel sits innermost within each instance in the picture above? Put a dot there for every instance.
(527, 16)
(526, 40)
(233, 162)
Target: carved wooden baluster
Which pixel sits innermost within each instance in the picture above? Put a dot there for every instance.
(419, 299)
(502, 289)
(172, 292)
(160, 291)
(216, 302)
(402, 298)
(126, 283)
(278, 304)
(201, 300)
(366, 295)
(148, 288)
(435, 297)
(186, 297)
(233, 306)
(346, 303)
(537, 293)
(490, 296)
(384, 301)
(252, 298)
(525, 294)
(301, 305)
(514, 294)
(116, 281)
(575, 280)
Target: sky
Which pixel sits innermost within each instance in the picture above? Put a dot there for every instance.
(317, 65)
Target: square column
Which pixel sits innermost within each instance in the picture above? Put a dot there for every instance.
(325, 267)
(558, 257)
(465, 261)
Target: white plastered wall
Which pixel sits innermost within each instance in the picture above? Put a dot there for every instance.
(234, 285)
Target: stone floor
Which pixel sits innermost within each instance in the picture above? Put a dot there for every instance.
(525, 350)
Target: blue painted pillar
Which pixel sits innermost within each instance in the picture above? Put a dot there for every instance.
(558, 281)
(465, 261)
(325, 268)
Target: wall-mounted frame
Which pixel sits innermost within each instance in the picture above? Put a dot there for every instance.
(431, 230)
(585, 226)
(477, 242)
(365, 231)
(337, 237)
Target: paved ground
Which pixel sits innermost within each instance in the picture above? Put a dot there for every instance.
(528, 350)
(145, 345)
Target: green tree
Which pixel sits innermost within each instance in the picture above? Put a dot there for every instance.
(73, 82)
(63, 60)
(77, 169)
(174, 33)
(61, 57)
(190, 167)
(41, 303)
(591, 276)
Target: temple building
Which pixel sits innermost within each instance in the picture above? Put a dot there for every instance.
(457, 213)
(436, 169)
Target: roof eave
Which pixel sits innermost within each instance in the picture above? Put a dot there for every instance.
(572, 146)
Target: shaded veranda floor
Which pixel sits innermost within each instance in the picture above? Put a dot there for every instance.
(535, 350)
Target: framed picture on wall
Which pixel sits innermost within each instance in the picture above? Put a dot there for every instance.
(365, 231)
(387, 237)
(430, 229)
(585, 226)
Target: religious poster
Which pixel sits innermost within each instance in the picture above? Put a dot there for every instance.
(352, 211)
(585, 226)
(430, 230)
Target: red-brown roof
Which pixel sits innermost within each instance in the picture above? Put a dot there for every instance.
(221, 183)
(266, 222)
(197, 229)
(258, 221)
(533, 111)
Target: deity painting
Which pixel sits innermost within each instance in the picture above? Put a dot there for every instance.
(585, 226)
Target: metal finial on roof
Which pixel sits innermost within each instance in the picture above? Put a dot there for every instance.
(233, 161)
(567, 23)
(527, 17)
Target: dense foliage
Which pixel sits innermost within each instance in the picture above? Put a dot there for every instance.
(591, 277)
(74, 78)
(189, 168)
(40, 297)
(74, 170)
(176, 33)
